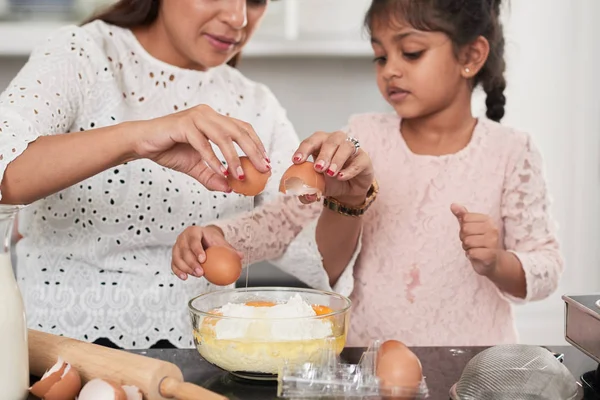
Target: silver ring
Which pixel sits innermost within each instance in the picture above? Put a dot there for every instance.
(355, 143)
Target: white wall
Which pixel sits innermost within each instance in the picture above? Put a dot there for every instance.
(553, 93)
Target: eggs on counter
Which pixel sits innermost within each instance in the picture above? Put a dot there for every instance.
(63, 382)
(399, 371)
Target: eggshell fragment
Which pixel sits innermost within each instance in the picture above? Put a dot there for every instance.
(223, 265)
(133, 392)
(254, 181)
(98, 389)
(67, 388)
(398, 369)
(49, 379)
(60, 382)
(302, 179)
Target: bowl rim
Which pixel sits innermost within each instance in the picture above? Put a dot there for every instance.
(341, 311)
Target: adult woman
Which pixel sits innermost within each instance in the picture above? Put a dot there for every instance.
(93, 261)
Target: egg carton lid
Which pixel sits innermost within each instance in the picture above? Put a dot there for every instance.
(329, 377)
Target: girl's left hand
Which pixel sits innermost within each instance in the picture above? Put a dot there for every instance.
(348, 172)
(480, 239)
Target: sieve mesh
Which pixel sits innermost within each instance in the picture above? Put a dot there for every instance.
(515, 372)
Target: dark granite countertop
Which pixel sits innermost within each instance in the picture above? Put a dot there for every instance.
(442, 367)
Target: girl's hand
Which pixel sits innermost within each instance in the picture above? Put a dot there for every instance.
(348, 173)
(480, 239)
(181, 141)
(188, 252)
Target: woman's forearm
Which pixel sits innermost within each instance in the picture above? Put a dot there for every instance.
(53, 163)
(337, 237)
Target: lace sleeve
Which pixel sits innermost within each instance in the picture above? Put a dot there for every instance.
(44, 98)
(529, 231)
(281, 229)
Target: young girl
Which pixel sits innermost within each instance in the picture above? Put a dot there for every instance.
(460, 229)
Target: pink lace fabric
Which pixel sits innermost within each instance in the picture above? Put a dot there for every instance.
(412, 281)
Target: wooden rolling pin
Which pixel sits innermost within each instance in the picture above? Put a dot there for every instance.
(157, 379)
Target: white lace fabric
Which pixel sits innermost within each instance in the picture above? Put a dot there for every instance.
(95, 258)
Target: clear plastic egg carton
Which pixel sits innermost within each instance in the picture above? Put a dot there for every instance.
(330, 378)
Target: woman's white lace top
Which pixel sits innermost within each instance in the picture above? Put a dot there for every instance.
(95, 258)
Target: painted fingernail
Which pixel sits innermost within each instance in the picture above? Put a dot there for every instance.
(297, 157)
(267, 160)
(331, 170)
(341, 175)
(198, 272)
(268, 165)
(240, 173)
(224, 170)
(319, 165)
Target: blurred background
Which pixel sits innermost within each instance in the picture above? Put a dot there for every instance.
(315, 57)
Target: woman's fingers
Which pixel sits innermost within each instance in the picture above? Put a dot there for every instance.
(249, 130)
(309, 146)
(223, 131)
(343, 157)
(197, 138)
(356, 165)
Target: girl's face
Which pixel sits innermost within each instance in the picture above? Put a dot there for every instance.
(417, 71)
(208, 33)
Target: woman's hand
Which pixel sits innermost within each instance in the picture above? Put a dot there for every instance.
(182, 141)
(188, 252)
(348, 172)
(480, 239)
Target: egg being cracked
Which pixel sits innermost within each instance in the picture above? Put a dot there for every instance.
(302, 179)
(254, 181)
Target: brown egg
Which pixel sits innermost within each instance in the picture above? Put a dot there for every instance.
(223, 265)
(398, 367)
(302, 179)
(254, 182)
(99, 389)
(61, 382)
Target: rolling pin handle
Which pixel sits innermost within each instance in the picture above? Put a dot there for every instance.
(172, 388)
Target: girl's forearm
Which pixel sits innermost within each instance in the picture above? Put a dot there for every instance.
(509, 276)
(53, 163)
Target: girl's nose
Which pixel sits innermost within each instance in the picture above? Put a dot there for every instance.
(234, 13)
(392, 69)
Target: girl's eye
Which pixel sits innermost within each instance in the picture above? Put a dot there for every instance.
(380, 60)
(412, 56)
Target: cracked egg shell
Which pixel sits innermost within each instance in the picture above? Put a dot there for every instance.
(60, 382)
(254, 181)
(302, 179)
(99, 389)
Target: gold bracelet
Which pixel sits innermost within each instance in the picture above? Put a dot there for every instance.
(352, 211)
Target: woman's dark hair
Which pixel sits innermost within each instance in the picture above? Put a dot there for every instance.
(463, 21)
(135, 13)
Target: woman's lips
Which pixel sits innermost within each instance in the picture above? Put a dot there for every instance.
(221, 43)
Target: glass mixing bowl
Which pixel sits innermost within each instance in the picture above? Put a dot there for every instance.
(255, 348)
